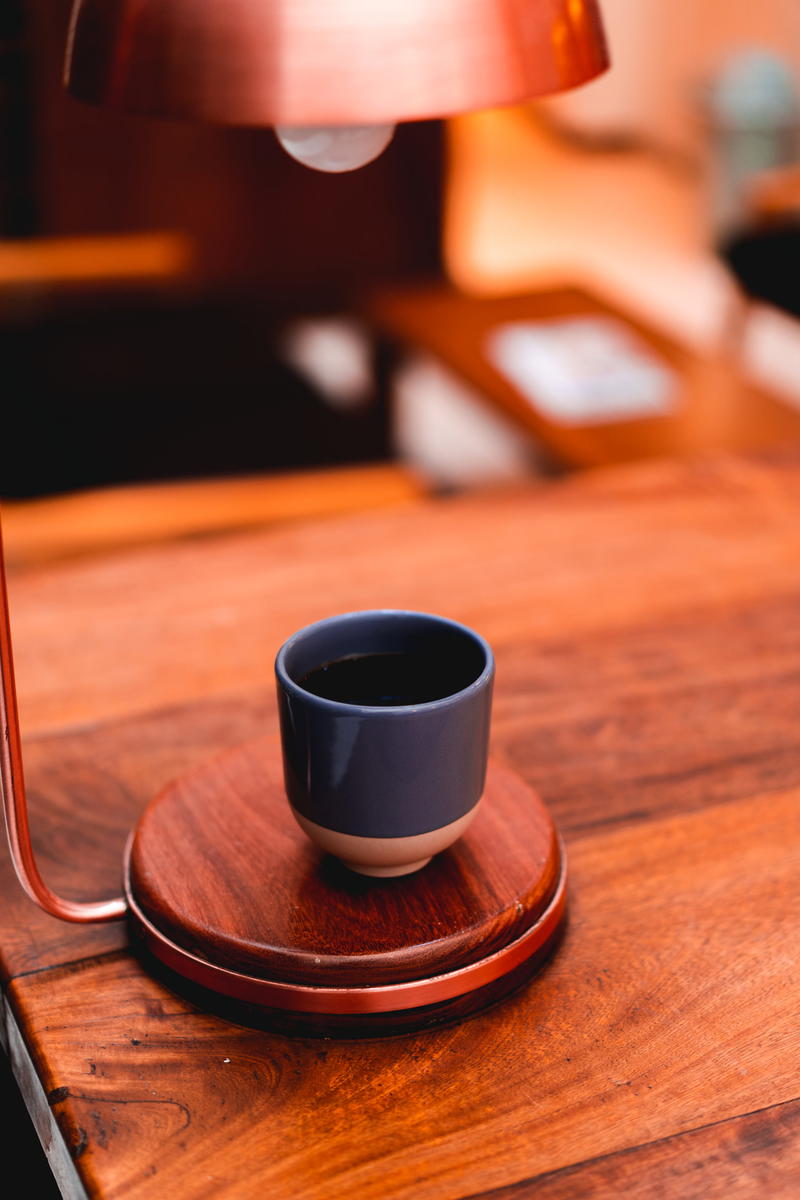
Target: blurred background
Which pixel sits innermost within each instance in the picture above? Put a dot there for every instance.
(608, 275)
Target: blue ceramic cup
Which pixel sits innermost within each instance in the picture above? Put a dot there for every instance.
(385, 729)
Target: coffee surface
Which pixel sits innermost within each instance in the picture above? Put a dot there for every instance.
(388, 680)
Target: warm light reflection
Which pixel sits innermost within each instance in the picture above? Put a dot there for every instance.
(95, 259)
(526, 208)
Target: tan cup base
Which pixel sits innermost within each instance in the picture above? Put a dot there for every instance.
(385, 857)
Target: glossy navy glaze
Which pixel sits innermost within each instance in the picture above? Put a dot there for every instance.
(384, 771)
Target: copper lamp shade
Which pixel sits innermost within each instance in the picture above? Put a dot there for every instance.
(328, 62)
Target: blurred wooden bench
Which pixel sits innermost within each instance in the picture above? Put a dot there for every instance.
(131, 258)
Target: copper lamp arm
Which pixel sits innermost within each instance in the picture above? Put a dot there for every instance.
(14, 802)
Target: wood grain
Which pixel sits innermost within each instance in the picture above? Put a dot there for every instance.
(645, 623)
(754, 1155)
(58, 1169)
(166, 625)
(219, 866)
(581, 718)
(86, 791)
(665, 1010)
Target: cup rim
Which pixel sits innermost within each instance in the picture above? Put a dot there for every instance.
(387, 711)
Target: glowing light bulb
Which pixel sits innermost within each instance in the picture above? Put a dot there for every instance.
(334, 147)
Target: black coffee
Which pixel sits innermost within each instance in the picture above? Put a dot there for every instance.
(384, 680)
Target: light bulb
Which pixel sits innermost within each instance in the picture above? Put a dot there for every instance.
(334, 147)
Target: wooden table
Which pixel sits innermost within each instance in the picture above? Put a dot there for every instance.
(716, 406)
(646, 622)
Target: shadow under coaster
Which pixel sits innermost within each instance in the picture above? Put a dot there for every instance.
(229, 897)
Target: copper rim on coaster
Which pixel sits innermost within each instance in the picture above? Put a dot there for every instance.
(352, 1001)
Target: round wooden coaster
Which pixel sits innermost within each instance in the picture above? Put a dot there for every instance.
(228, 894)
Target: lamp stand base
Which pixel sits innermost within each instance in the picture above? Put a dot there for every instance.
(230, 901)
